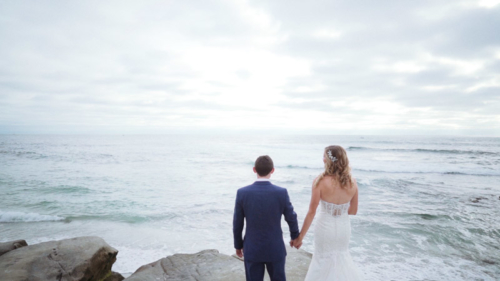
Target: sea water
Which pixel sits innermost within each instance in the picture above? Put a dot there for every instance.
(429, 207)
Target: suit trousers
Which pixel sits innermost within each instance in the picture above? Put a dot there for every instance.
(254, 271)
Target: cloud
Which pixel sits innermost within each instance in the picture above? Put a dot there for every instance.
(372, 67)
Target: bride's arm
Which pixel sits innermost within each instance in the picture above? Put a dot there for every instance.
(315, 196)
(353, 208)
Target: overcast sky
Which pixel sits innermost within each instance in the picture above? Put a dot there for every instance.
(322, 67)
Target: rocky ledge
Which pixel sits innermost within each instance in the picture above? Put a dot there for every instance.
(82, 258)
(91, 259)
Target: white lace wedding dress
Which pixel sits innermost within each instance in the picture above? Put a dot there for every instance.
(331, 259)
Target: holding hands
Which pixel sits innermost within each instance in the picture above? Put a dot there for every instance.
(297, 243)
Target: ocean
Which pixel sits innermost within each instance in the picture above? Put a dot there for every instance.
(429, 207)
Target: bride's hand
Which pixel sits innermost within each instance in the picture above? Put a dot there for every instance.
(297, 243)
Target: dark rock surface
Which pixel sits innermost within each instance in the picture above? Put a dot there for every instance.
(114, 276)
(211, 265)
(477, 199)
(83, 259)
(11, 245)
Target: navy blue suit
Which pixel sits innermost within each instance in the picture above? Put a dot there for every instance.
(262, 204)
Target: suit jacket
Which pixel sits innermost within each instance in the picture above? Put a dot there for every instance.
(262, 204)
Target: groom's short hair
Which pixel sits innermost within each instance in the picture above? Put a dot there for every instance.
(264, 165)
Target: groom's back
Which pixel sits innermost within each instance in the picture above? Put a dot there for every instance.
(263, 204)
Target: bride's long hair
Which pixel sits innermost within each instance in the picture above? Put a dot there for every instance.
(337, 166)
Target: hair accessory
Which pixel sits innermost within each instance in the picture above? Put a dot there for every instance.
(331, 156)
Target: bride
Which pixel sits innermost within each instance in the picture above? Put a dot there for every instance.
(337, 192)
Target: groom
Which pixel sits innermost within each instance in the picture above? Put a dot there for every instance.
(262, 204)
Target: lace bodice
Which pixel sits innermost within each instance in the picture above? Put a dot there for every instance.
(335, 210)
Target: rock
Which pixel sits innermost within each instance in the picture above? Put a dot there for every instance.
(114, 276)
(12, 245)
(488, 261)
(297, 263)
(477, 199)
(205, 265)
(211, 265)
(82, 258)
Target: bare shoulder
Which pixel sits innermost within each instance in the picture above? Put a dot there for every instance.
(314, 185)
(316, 178)
(322, 181)
(354, 184)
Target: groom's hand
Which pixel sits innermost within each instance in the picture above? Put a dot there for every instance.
(239, 253)
(297, 243)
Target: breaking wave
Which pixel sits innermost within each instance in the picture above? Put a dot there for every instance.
(10, 216)
(442, 151)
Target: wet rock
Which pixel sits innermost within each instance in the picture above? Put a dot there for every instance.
(11, 245)
(477, 199)
(82, 258)
(114, 276)
(211, 265)
(489, 261)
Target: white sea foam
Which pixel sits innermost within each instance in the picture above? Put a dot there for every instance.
(130, 259)
(9, 216)
(422, 268)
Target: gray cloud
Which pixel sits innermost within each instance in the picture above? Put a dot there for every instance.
(184, 63)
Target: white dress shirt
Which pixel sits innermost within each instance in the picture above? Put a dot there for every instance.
(262, 179)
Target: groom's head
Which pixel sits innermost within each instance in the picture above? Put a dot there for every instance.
(264, 165)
